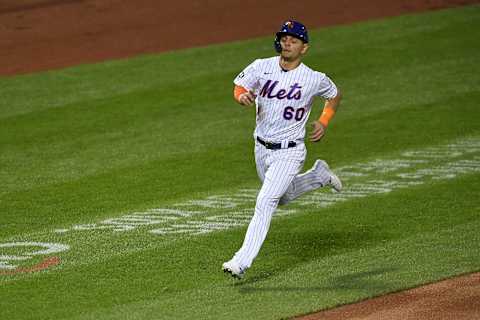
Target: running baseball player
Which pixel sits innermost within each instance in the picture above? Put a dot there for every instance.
(283, 90)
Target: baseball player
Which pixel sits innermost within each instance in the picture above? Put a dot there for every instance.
(283, 90)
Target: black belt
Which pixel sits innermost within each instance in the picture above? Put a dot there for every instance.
(275, 146)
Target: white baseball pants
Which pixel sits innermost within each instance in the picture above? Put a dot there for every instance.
(278, 170)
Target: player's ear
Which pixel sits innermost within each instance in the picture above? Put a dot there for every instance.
(305, 48)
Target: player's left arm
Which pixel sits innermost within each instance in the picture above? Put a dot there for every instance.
(329, 110)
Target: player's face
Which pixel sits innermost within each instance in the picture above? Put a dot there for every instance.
(292, 48)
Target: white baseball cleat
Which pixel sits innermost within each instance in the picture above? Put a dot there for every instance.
(234, 269)
(334, 181)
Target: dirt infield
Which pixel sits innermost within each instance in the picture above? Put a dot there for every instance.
(47, 34)
(40, 35)
(452, 299)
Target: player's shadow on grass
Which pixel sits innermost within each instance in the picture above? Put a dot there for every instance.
(366, 280)
(285, 249)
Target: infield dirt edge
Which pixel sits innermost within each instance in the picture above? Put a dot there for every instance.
(457, 297)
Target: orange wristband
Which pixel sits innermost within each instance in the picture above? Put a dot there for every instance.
(326, 116)
(237, 91)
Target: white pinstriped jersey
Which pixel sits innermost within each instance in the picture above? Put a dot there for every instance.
(284, 98)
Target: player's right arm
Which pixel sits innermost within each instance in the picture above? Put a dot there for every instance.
(243, 96)
(245, 83)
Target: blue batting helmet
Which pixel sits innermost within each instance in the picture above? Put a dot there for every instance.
(293, 28)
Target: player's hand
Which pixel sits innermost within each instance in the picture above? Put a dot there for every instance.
(247, 98)
(318, 131)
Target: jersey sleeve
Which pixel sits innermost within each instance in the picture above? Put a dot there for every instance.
(326, 88)
(248, 78)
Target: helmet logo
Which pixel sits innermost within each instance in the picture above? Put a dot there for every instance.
(289, 24)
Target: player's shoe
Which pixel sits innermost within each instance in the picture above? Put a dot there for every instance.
(334, 181)
(234, 269)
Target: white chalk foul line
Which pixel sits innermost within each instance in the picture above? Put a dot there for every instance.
(195, 217)
(224, 211)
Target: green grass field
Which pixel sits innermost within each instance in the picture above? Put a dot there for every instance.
(143, 170)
